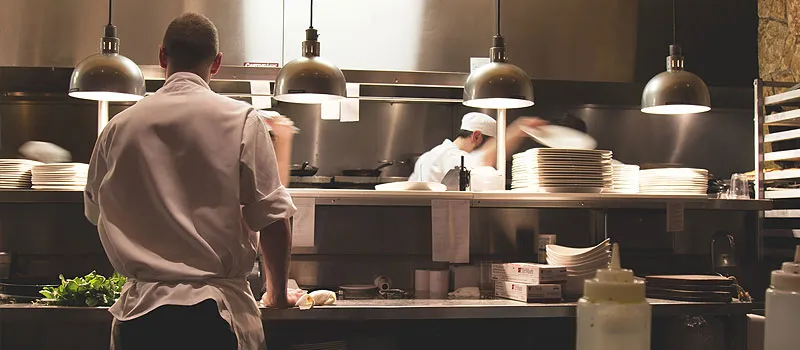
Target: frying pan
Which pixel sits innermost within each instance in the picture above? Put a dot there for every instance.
(376, 172)
(303, 169)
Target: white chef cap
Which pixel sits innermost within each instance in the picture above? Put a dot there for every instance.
(475, 121)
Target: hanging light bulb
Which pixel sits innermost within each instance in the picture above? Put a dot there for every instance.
(675, 91)
(498, 84)
(310, 79)
(107, 76)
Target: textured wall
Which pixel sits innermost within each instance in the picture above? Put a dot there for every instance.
(779, 40)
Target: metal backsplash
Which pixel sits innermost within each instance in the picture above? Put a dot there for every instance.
(570, 40)
(58, 33)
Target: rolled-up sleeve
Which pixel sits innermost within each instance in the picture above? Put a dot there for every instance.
(263, 197)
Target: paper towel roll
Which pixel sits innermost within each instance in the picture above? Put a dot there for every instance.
(422, 283)
(439, 284)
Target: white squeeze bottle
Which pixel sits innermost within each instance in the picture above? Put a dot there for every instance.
(613, 313)
(782, 325)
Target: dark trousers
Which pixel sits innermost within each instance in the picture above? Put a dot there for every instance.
(177, 327)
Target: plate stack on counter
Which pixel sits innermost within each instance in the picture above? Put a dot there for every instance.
(581, 263)
(675, 181)
(60, 176)
(625, 179)
(560, 170)
(16, 173)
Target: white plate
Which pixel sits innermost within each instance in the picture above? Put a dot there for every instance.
(59, 188)
(567, 151)
(412, 186)
(569, 251)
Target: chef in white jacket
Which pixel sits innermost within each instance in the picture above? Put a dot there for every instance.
(186, 188)
(475, 141)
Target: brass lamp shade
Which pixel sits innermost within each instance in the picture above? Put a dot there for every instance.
(498, 85)
(310, 79)
(675, 91)
(107, 77)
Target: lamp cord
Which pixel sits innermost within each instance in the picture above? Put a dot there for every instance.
(109, 11)
(673, 23)
(498, 17)
(311, 19)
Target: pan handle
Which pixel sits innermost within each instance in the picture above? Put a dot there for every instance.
(384, 163)
(304, 166)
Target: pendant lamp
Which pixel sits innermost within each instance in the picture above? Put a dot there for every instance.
(107, 76)
(310, 79)
(498, 84)
(675, 91)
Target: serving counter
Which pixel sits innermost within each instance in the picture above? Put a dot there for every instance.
(369, 324)
(499, 199)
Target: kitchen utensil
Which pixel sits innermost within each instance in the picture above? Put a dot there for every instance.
(23, 291)
(375, 172)
(304, 169)
(393, 293)
(412, 186)
(382, 283)
(358, 292)
(556, 136)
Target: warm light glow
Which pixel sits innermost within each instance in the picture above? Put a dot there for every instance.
(498, 103)
(105, 96)
(309, 98)
(676, 109)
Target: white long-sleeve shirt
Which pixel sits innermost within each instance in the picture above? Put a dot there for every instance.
(171, 181)
(433, 165)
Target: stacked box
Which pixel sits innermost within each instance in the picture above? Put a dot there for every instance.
(529, 273)
(528, 282)
(529, 293)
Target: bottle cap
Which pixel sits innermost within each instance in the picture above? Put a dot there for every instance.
(788, 277)
(614, 284)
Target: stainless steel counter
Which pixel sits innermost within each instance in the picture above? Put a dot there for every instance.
(500, 199)
(417, 309)
(512, 199)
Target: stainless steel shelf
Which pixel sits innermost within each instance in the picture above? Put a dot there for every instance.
(632, 201)
(36, 196)
(359, 310)
(504, 199)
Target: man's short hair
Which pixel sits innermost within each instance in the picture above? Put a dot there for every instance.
(191, 41)
(467, 134)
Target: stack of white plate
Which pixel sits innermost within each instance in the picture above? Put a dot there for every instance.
(679, 181)
(625, 179)
(60, 176)
(16, 173)
(581, 263)
(562, 170)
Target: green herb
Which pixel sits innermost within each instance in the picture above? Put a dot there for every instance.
(90, 290)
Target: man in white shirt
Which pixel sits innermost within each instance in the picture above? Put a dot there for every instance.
(174, 183)
(475, 142)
